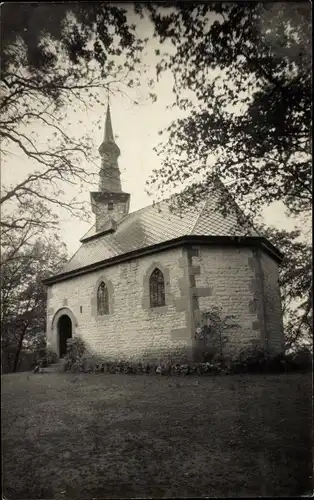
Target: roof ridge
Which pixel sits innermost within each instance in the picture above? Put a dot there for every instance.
(198, 217)
(155, 203)
(135, 211)
(139, 210)
(245, 218)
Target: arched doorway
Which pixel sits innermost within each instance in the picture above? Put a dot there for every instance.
(64, 333)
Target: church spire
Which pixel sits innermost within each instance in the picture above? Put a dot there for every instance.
(108, 126)
(110, 203)
(109, 176)
(108, 146)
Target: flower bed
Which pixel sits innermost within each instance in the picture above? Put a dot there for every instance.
(250, 360)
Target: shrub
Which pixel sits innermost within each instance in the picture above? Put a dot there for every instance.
(257, 360)
(252, 359)
(302, 358)
(208, 355)
(76, 355)
(64, 365)
(249, 360)
(50, 357)
(75, 348)
(211, 331)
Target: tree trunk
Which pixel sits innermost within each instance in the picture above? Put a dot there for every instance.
(8, 358)
(18, 350)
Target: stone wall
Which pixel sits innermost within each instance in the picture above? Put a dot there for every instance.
(227, 277)
(242, 281)
(119, 207)
(103, 215)
(131, 329)
(272, 301)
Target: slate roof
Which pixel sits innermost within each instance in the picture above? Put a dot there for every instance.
(156, 224)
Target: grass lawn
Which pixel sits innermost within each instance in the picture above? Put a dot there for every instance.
(120, 436)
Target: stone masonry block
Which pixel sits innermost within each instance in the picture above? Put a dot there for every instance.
(182, 284)
(181, 303)
(256, 325)
(197, 316)
(252, 263)
(254, 285)
(192, 280)
(195, 303)
(253, 306)
(94, 306)
(202, 291)
(195, 269)
(193, 252)
(179, 334)
(182, 262)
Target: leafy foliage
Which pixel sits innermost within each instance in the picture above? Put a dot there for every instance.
(296, 285)
(85, 32)
(76, 355)
(242, 79)
(53, 57)
(256, 360)
(26, 259)
(249, 360)
(212, 331)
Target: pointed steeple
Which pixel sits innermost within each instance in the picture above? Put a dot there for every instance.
(110, 203)
(108, 126)
(109, 148)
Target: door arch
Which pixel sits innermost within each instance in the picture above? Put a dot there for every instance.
(64, 333)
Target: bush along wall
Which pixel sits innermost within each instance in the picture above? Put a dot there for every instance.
(252, 360)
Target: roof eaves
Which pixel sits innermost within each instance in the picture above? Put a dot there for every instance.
(182, 240)
(97, 235)
(114, 260)
(84, 236)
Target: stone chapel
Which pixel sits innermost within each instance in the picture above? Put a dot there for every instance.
(140, 284)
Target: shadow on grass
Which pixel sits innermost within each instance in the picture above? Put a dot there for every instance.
(116, 436)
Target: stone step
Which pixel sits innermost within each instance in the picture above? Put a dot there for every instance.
(54, 367)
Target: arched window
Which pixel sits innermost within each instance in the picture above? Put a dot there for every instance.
(102, 299)
(157, 288)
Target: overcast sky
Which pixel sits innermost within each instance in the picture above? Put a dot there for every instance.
(136, 129)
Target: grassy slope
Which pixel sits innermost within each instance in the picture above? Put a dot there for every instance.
(114, 436)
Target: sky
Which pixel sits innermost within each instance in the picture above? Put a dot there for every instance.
(136, 129)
